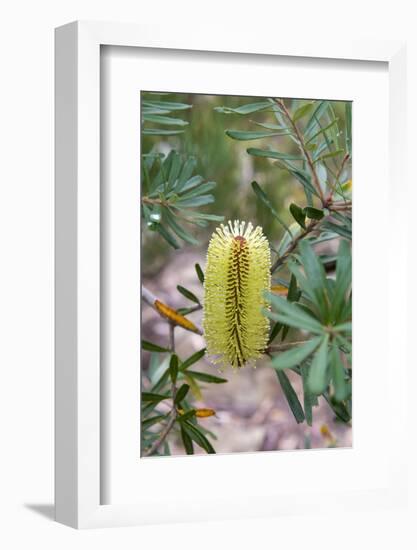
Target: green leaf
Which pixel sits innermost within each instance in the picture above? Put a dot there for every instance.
(192, 359)
(153, 420)
(188, 294)
(343, 279)
(316, 278)
(298, 215)
(189, 184)
(204, 377)
(187, 442)
(308, 397)
(186, 416)
(315, 117)
(199, 190)
(197, 436)
(166, 105)
(167, 236)
(148, 397)
(170, 121)
(265, 153)
(322, 130)
(313, 213)
(291, 396)
(178, 230)
(339, 409)
(245, 109)
(302, 111)
(296, 355)
(266, 201)
(317, 376)
(328, 155)
(160, 132)
(195, 201)
(173, 367)
(247, 136)
(200, 273)
(341, 387)
(292, 314)
(181, 393)
(148, 346)
(348, 115)
(274, 332)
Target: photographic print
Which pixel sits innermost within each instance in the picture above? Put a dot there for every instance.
(246, 309)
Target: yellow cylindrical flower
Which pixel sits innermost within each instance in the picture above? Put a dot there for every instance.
(237, 275)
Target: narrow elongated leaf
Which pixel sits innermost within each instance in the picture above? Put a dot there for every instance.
(169, 121)
(204, 377)
(199, 190)
(167, 236)
(332, 154)
(189, 184)
(266, 201)
(148, 397)
(187, 442)
(341, 387)
(314, 119)
(160, 132)
(302, 111)
(149, 346)
(274, 332)
(348, 114)
(192, 359)
(188, 294)
(173, 367)
(166, 105)
(308, 397)
(265, 153)
(153, 420)
(291, 397)
(186, 415)
(178, 230)
(181, 393)
(245, 109)
(317, 376)
(296, 355)
(200, 273)
(248, 136)
(292, 314)
(322, 130)
(316, 277)
(195, 201)
(343, 279)
(196, 435)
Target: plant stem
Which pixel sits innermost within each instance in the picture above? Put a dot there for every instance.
(303, 149)
(293, 245)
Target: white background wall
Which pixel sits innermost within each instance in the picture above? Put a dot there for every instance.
(26, 269)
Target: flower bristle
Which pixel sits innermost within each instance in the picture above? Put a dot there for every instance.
(237, 275)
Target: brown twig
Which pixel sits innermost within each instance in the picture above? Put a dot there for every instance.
(304, 150)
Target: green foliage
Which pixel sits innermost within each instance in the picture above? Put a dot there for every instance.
(170, 189)
(303, 146)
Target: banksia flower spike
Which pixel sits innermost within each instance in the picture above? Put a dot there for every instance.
(237, 275)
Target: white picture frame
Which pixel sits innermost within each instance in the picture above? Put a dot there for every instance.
(78, 404)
